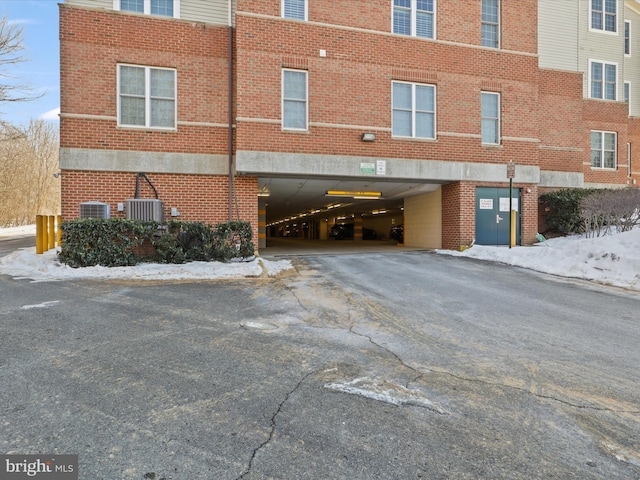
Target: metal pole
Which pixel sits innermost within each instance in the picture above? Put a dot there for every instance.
(510, 212)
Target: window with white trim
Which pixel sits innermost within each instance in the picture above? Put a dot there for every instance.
(163, 8)
(604, 14)
(490, 28)
(296, 9)
(627, 89)
(146, 97)
(490, 113)
(295, 100)
(603, 80)
(414, 17)
(603, 149)
(414, 110)
(627, 37)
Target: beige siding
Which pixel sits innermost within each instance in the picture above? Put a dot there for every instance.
(107, 4)
(558, 34)
(423, 220)
(596, 45)
(632, 62)
(208, 11)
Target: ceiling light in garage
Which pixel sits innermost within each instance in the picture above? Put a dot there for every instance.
(346, 193)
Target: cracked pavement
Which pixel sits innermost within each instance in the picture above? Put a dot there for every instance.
(388, 366)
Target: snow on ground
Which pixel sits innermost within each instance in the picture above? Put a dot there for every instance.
(611, 260)
(25, 263)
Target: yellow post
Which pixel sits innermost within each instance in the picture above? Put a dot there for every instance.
(52, 232)
(39, 249)
(59, 230)
(513, 228)
(45, 233)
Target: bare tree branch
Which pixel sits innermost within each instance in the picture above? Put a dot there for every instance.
(12, 89)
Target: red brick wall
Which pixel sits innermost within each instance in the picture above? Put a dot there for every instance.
(352, 86)
(456, 21)
(201, 198)
(94, 42)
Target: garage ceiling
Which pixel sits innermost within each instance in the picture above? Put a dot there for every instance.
(289, 197)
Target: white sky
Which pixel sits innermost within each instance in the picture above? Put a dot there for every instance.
(611, 260)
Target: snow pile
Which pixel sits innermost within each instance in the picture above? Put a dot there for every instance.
(610, 260)
(24, 263)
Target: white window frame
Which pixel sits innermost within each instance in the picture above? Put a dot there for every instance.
(415, 110)
(603, 18)
(497, 25)
(305, 101)
(627, 38)
(147, 98)
(413, 9)
(497, 119)
(602, 80)
(602, 150)
(306, 11)
(147, 8)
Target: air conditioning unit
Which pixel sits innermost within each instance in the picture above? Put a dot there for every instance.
(145, 209)
(94, 210)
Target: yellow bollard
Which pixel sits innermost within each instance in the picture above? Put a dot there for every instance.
(39, 249)
(45, 233)
(52, 232)
(513, 228)
(59, 230)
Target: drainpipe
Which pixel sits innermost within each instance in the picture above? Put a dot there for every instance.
(230, 133)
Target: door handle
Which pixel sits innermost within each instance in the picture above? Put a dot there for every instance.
(498, 218)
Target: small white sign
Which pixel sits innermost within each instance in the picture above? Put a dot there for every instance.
(486, 204)
(381, 167)
(504, 204)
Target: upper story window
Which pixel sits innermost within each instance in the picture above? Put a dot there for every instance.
(603, 150)
(414, 110)
(296, 9)
(490, 23)
(604, 15)
(295, 100)
(164, 8)
(627, 37)
(146, 97)
(490, 113)
(603, 80)
(414, 17)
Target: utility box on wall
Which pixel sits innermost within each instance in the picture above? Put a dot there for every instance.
(145, 209)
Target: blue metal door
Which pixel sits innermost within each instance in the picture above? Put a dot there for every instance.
(493, 214)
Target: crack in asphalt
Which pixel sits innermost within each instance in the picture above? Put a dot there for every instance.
(273, 426)
(539, 395)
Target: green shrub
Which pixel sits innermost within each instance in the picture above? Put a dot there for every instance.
(107, 242)
(565, 212)
(117, 242)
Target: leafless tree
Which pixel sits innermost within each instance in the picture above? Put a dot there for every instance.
(12, 89)
(28, 160)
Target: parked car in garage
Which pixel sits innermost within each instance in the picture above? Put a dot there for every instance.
(344, 231)
(397, 233)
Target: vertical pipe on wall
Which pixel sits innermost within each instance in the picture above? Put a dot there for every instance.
(230, 132)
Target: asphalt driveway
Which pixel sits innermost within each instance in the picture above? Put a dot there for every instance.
(388, 366)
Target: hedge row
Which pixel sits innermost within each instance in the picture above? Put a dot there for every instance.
(592, 211)
(120, 242)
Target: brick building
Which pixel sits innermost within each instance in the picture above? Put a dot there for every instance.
(298, 114)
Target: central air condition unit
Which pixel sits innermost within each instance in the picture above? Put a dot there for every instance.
(94, 210)
(145, 209)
